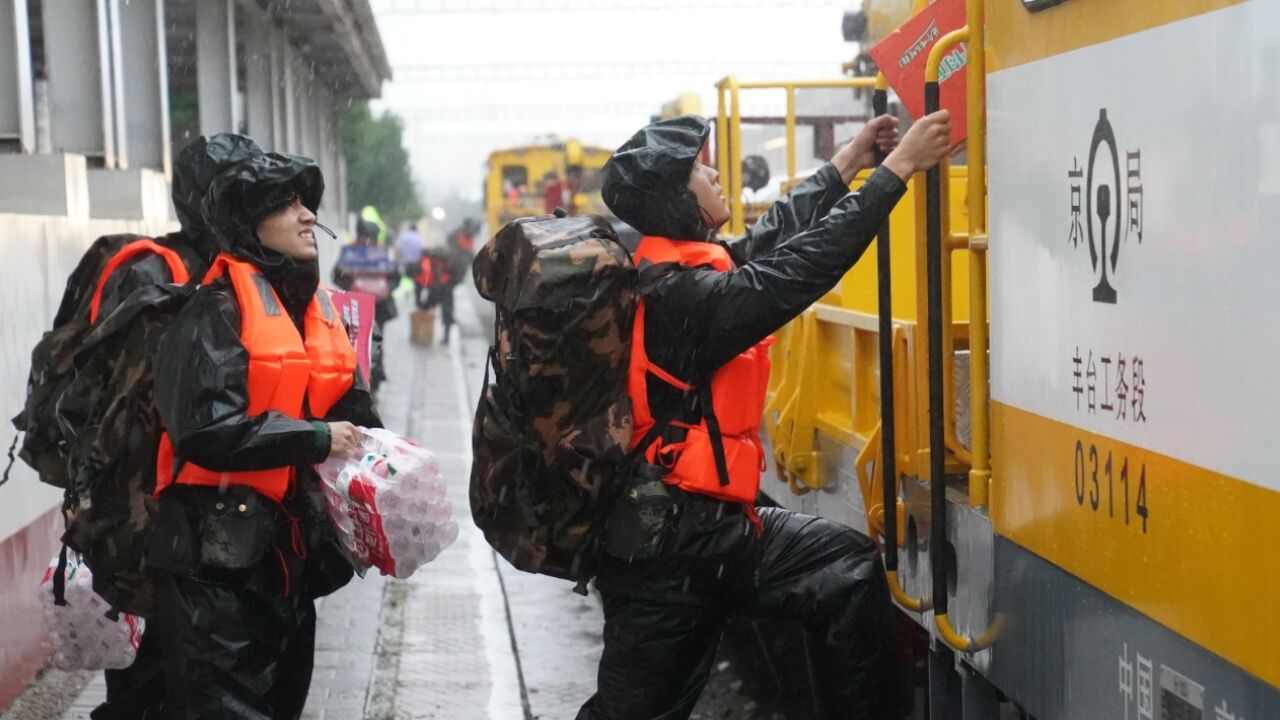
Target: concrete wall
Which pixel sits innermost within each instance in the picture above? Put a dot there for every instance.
(39, 252)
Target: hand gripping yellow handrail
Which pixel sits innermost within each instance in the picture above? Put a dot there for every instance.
(972, 32)
(887, 465)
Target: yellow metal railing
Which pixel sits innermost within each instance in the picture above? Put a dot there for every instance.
(729, 132)
(980, 473)
(979, 381)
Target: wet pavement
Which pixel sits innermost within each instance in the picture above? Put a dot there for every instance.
(467, 637)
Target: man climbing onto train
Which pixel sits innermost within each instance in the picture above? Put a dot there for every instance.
(699, 367)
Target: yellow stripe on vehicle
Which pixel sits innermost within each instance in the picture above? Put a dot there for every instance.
(1016, 36)
(1194, 550)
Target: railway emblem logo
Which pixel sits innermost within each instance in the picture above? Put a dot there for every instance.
(1096, 206)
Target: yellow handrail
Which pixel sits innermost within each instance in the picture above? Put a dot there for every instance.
(791, 132)
(913, 604)
(867, 83)
(962, 643)
(975, 242)
(722, 131)
(976, 78)
(737, 225)
(979, 383)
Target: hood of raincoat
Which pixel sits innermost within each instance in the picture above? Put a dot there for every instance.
(242, 195)
(646, 182)
(198, 164)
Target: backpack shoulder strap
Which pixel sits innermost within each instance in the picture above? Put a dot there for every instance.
(177, 268)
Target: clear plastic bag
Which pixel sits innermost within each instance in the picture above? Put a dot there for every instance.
(83, 633)
(389, 506)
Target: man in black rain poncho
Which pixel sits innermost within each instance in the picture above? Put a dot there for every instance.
(137, 692)
(707, 310)
(241, 544)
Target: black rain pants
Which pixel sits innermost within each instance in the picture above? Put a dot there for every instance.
(663, 617)
(234, 650)
(236, 617)
(441, 295)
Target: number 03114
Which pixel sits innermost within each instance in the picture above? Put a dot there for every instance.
(1111, 484)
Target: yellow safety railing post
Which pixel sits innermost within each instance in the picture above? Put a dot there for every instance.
(737, 224)
(791, 131)
(867, 83)
(946, 631)
(722, 133)
(979, 383)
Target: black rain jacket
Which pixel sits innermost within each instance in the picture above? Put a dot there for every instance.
(794, 568)
(697, 319)
(201, 368)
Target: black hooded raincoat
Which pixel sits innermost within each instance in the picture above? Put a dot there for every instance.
(137, 692)
(197, 166)
(238, 572)
(663, 617)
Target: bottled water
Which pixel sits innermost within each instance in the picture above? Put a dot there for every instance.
(389, 505)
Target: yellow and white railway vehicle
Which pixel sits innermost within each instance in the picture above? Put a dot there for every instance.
(1106, 543)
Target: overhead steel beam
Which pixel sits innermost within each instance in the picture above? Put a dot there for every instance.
(367, 60)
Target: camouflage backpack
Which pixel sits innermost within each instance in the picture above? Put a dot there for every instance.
(44, 445)
(92, 427)
(112, 455)
(554, 425)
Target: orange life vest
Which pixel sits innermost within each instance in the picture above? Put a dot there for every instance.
(284, 370)
(177, 268)
(433, 272)
(737, 392)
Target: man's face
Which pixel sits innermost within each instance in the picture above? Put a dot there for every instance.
(704, 182)
(290, 231)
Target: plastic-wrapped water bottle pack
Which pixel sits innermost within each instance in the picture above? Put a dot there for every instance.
(83, 634)
(389, 505)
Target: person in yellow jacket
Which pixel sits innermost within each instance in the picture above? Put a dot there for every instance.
(255, 383)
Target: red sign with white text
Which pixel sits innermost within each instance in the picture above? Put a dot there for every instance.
(901, 56)
(356, 310)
